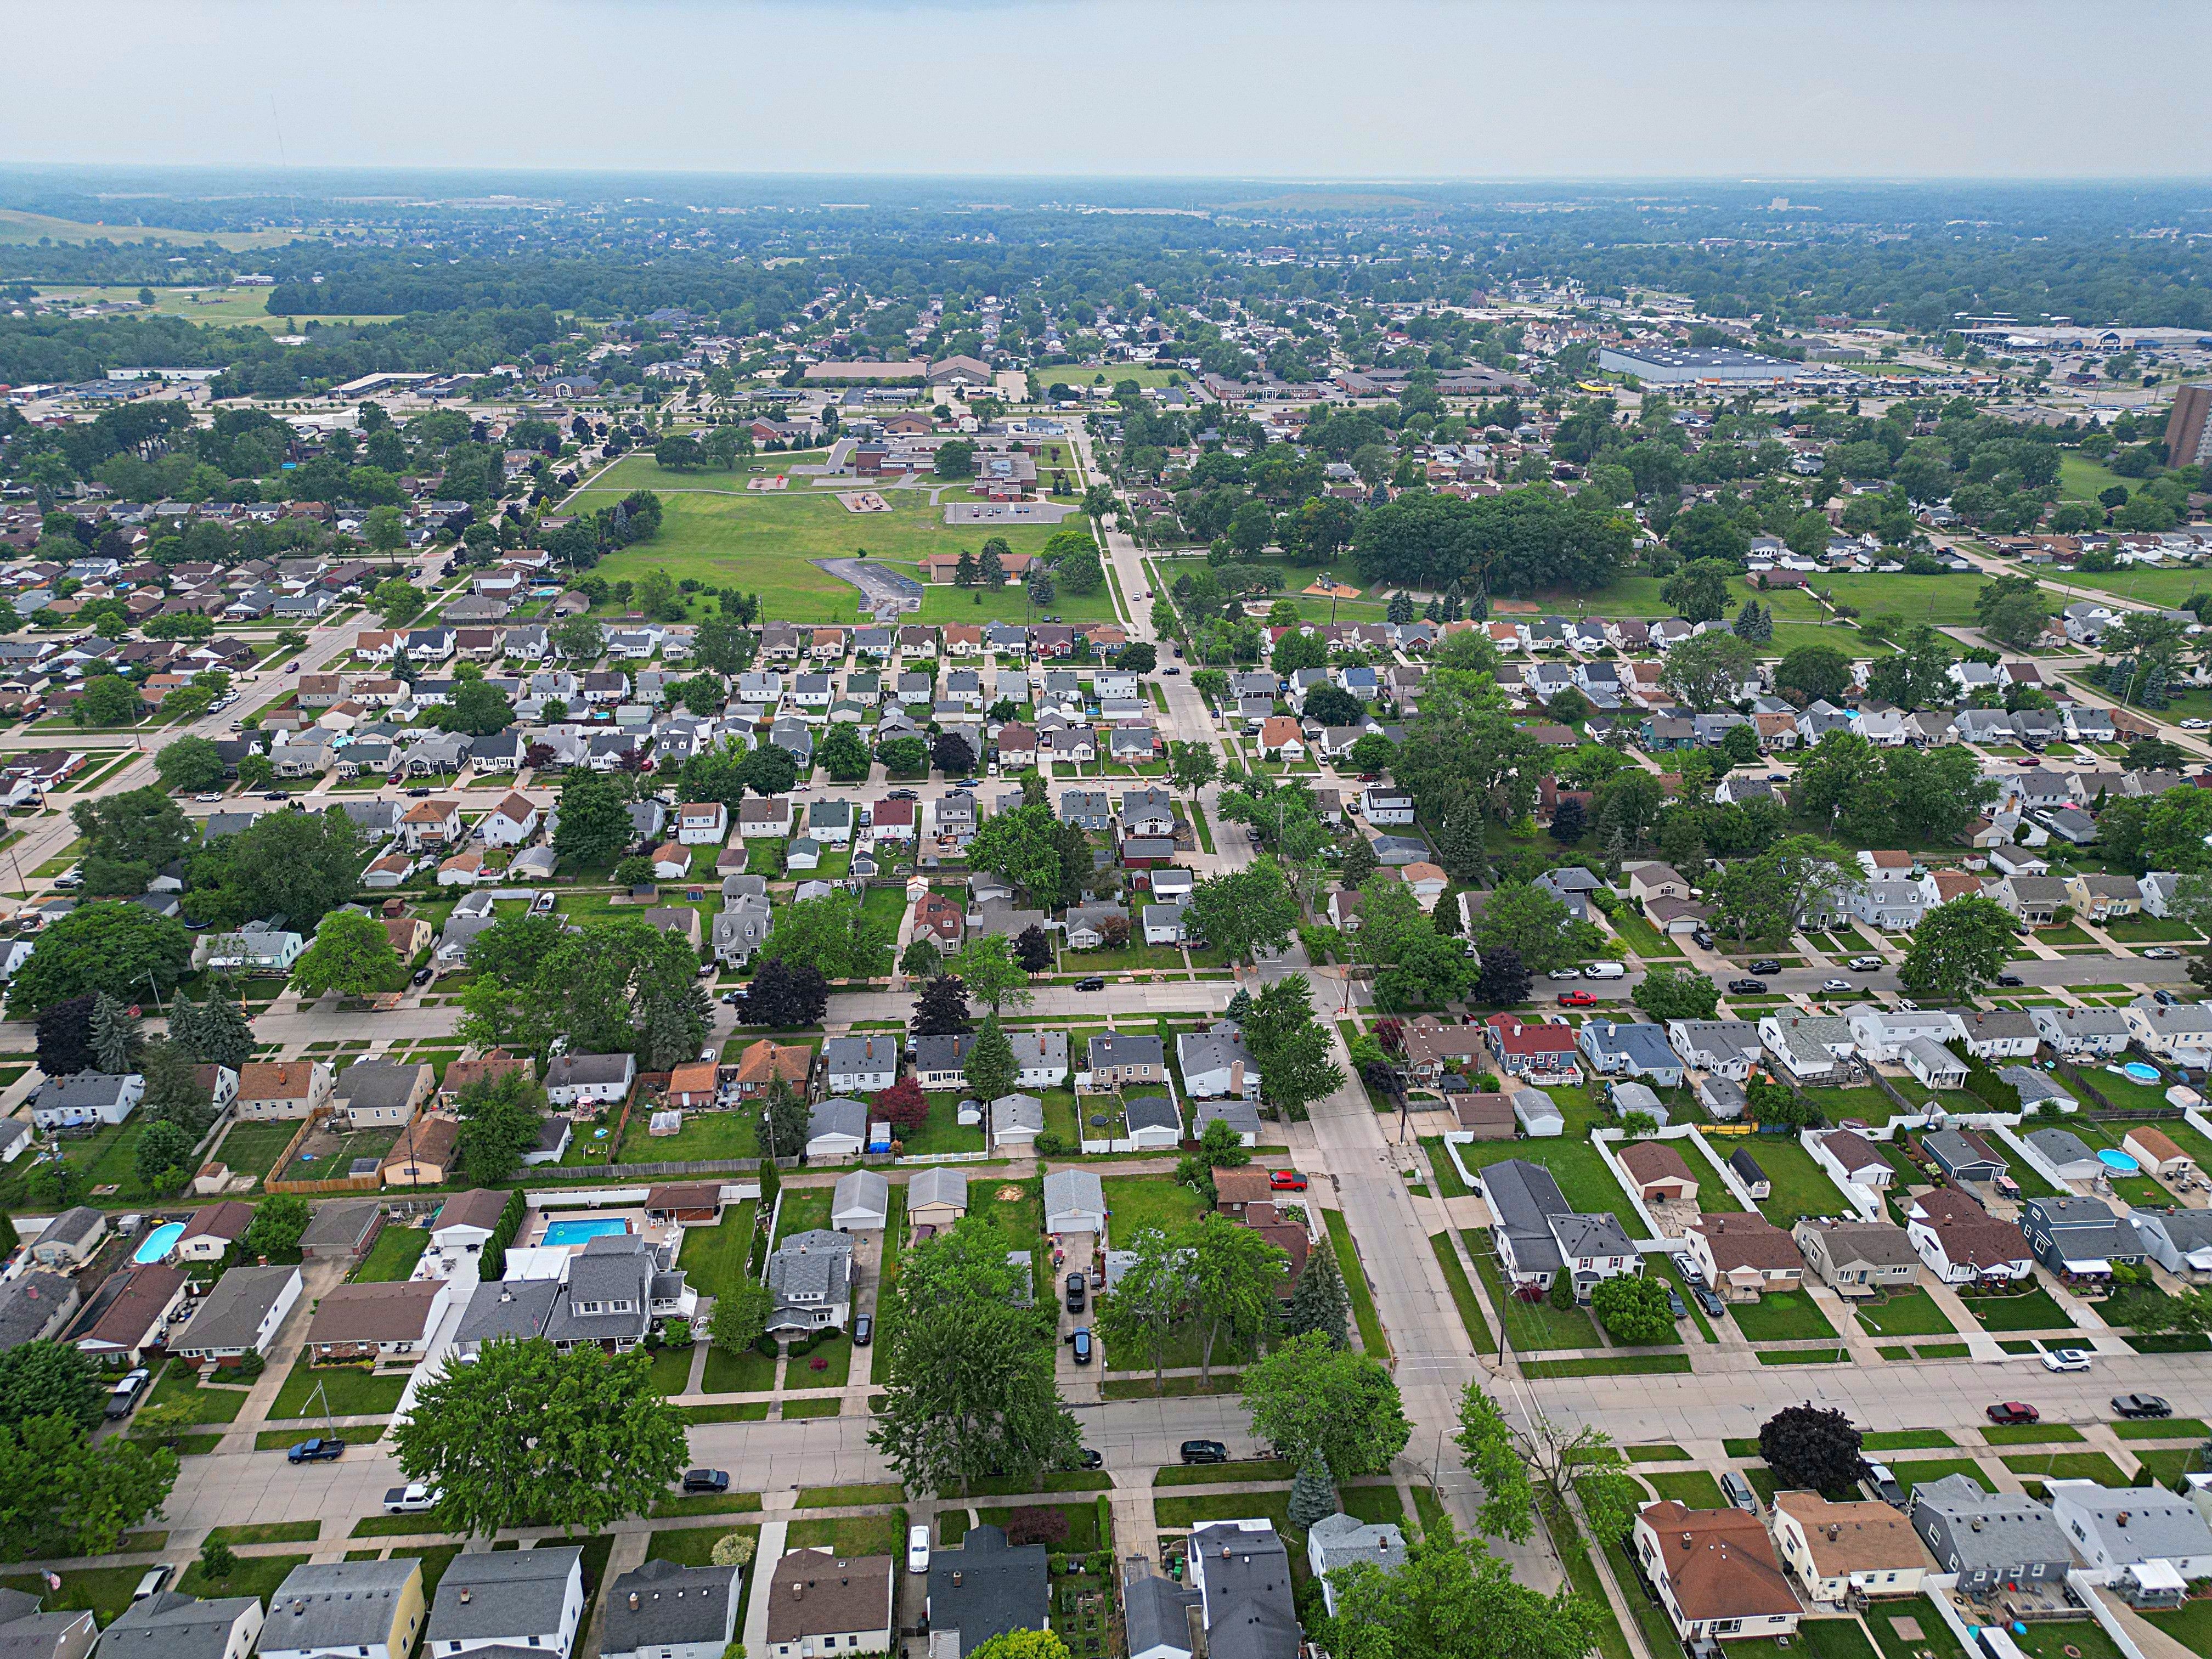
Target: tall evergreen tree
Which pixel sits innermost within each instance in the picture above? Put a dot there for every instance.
(115, 1037)
(991, 1069)
(1319, 1302)
(1313, 1494)
(1400, 610)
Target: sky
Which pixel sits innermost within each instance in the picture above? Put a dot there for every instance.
(1294, 88)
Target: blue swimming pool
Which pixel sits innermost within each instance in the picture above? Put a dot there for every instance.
(577, 1232)
(2119, 1161)
(2137, 1070)
(157, 1244)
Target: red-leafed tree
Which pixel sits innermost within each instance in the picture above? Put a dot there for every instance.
(903, 1103)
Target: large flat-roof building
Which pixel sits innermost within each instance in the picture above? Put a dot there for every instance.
(1684, 365)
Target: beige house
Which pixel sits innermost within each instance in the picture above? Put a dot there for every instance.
(423, 1154)
(936, 1200)
(1836, 1549)
(277, 1089)
(1856, 1258)
(213, 1230)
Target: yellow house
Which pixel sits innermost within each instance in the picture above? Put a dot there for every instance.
(351, 1608)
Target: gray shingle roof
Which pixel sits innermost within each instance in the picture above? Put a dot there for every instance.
(169, 1624)
(674, 1605)
(518, 1308)
(232, 1315)
(987, 1587)
(516, 1593)
(2011, 1528)
(336, 1604)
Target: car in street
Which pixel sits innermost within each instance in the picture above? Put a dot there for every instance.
(2142, 1405)
(211, 795)
(1082, 1345)
(917, 1549)
(1864, 965)
(706, 1481)
(1885, 1485)
(1286, 1181)
(2013, 1410)
(864, 1330)
(418, 794)
(2011, 982)
(1765, 965)
(276, 794)
(1088, 1459)
(2193, 724)
(1094, 983)
(1171, 669)
(1738, 1493)
(1676, 1305)
(1564, 973)
(901, 794)
(2163, 953)
(1840, 985)
(2066, 1360)
(2029, 760)
(1606, 970)
(1577, 999)
(1078, 1292)
(1747, 987)
(412, 1498)
(320, 1450)
(1205, 1451)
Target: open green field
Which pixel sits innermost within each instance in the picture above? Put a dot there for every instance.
(2158, 586)
(245, 308)
(16, 225)
(717, 532)
(2085, 479)
(1111, 375)
(1801, 1187)
(1939, 600)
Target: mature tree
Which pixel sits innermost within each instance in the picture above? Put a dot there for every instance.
(351, 954)
(1449, 1598)
(1819, 671)
(1309, 1395)
(2165, 831)
(1151, 1302)
(2186, 1312)
(1917, 674)
(844, 754)
(1554, 1456)
(1667, 993)
(1633, 1309)
(174, 1093)
(1245, 911)
(1958, 948)
(1416, 964)
(50, 1379)
(64, 1037)
(1023, 846)
(128, 838)
(724, 645)
(986, 967)
(1313, 1494)
(124, 949)
(2013, 609)
(1019, 1644)
(1235, 1275)
(1319, 1302)
(300, 866)
(1033, 950)
(214, 1032)
(952, 755)
(1811, 1448)
(783, 998)
(942, 1008)
(1290, 1048)
(274, 1233)
(478, 708)
(67, 1496)
(1700, 590)
(501, 1120)
(116, 1037)
(1707, 670)
(971, 1393)
(529, 1435)
(832, 934)
(1193, 765)
(1495, 1460)
(921, 959)
(108, 699)
(784, 1121)
(1535, 925)
(739, 1316)
(991, 1069)
(1504, 982)
(594, 817)
(189, 764)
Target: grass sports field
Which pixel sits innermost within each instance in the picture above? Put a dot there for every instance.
(1077, 374)
(217, 308)
(16, 225)
(716, 531)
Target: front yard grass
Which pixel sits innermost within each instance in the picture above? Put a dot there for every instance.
(2067, 1466)
(2031, 1310)
(1781, 1316)
(1913, 1474)
(1693, 1489)
(255, 1575)
(1531, 1327)
(348, 1390)
(835, 1353)
(1906, 1313)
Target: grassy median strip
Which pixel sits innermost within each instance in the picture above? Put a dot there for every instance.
(269, 1532)
(1610, 1365)
(1470, 1310)
(1355, 1286)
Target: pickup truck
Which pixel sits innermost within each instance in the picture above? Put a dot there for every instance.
(411, 1499)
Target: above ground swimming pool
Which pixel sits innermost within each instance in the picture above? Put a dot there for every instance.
(2118, 1162)
(157, 1244)
(576, 1233)
(2137, 1070)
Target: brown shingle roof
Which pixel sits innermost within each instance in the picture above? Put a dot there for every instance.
(1866, 1537)
(375, 1312)
(1243, 1187)
(227, 1221)
(1748, 1241)
(272, 1079)
(1655, 1160)
(480, 1206)
(1971, 1236)
(812, 1593)
(1721, 1562)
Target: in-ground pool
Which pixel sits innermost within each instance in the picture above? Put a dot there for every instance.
(2118, 1162)
(576, 1233)
(2137, 1070)
(157, 1244)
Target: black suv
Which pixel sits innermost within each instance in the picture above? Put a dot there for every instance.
(1747, 987)
(1205, 1451)
(706, 1481)
(1077, 1286)
(2142, 1405)
(1766, 966)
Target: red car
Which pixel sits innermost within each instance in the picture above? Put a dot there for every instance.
(1577, 999)
(1286, 1181)
(2013, 1411)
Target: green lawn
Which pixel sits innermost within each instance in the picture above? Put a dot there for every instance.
(1781, 1316)
(714, 1257)
(1584, 1181)
(1530, 1327)
(1835, 1638)
(850, 1535)
(836, 1354)
(1800, 1187)
(350, 1391)
(209, 1405)
(2028, 1434)
(748, 1372)
(1135, 1203)
(2034, 1310)
(255, 1575)
(1913, 1473)
(2067, 1466)
(1933, 1633)
(1608, 1364)
(2065, 1640)
(805, 1209)
(1643, 937)
(254, 1148)
(1463, 1297)
(1906, 1313)
(1693, 1489)
(1371, 1336)
(1905, 1440)
(393, 1256)
(2190, 1624)
(708, 1134)
(105, 1592)
(269, 1532)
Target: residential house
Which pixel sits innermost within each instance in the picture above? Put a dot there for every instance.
(382, 1093)
(819, 1603)
(837, 1128)
(861, 1065)
(1074, 1202)
(131, 1313)
(1744, 1255)
(1639, 1051)
(1117, 1058)
(345, 1609)
(811, 1276)
(1539, 1235)
(1854, 1548)
(2179, 1240)
(516, 1599)
(941, 1062)
(1215, 1062)
(2132, 1527)
(662, 1610)
(1534, 1051)
(2080, 1238)
(1960, 1241)
(589, 1080)
(1338, 1540)
(244, 1310)
(984, 1588)
(282, 1089)
(2100, 1032)
(1240, 1571)
(1807, 1045)
(1856, 1258)
(1725, 1048)
(1715, 1572)
(377, 1321)
(87, 1099)
(2182, 1035)
(1989, 1539)
(426, 1153)
(1998, 1033)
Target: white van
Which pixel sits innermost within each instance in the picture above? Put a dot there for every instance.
(1605, 970)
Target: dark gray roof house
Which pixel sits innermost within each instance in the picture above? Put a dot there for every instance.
(169, 1624)
(27, 1634)
(1156, 1612)
(520, 1308)
(663, 1611)
(1241, 1572)
(33, 1305)
(986, 1588)
(1988, 1537)
(520, 1598)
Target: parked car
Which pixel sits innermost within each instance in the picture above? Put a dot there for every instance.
(1564, 973)
(1676, 1305)
(320, 1450)
(1839, 986)
(2013, 1410)
(1703, 936)
(211, 795)
(2011, 981)
(1205, 1451)
(2163, 953)
(1577, 999)
(1747, 987)
(1088, 1459)
(1738, 1493)
(864, 1330)
(2142, 1405)
(152, 1581)
(706, 1481)
(1082, 1345)
(1765, 965)
(2166, 999)
(411, 1499)
(1286, 1181)
(1605, 970)
(122, 1398)
(1079, 1288)
(1864, 965)
(1710, 1303)
(423, 976)
(1094, 983)
(1885, 1485)
(2066, 1360)
(917, 1549)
